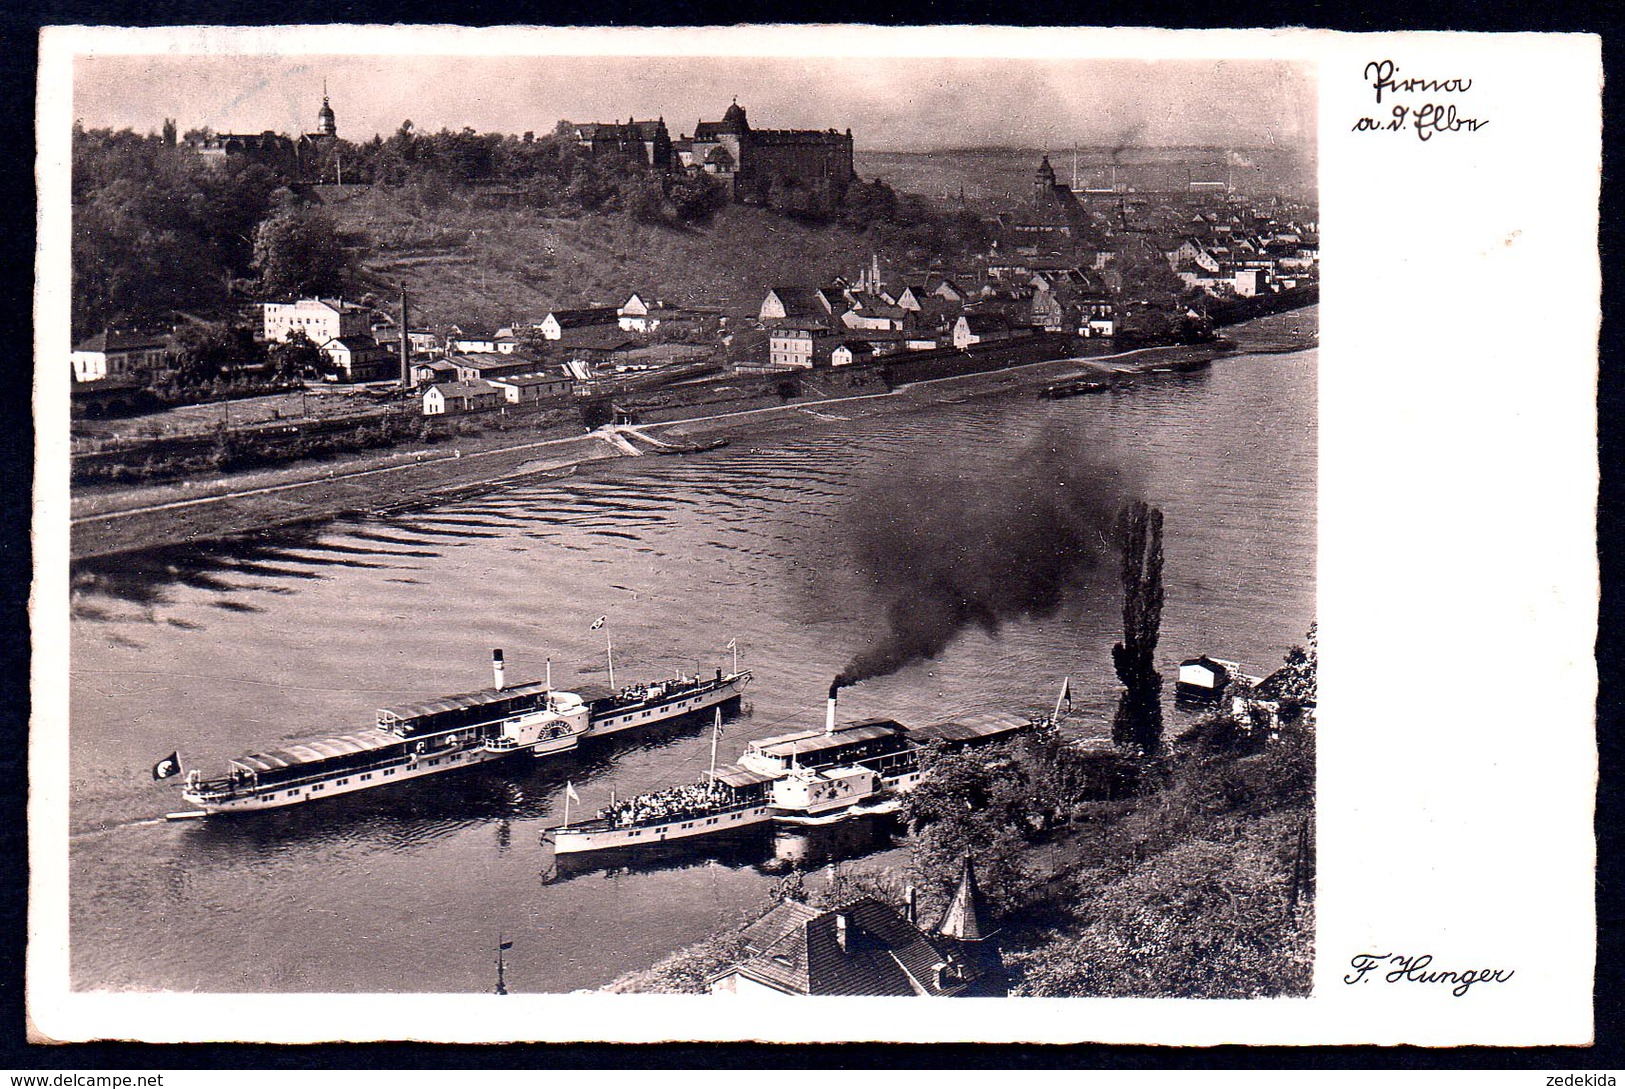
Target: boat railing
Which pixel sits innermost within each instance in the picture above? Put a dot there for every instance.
(228, 787)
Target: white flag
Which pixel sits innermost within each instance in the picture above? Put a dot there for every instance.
(733, 644)
(570, 792)
(1066, 692)
(600, 622)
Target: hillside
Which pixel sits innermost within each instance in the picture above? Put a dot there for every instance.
(464, 258)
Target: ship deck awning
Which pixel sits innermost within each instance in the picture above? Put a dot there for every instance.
(311, 752)
(977, 727)
(468, 700)
(738, 776)
(816, 741)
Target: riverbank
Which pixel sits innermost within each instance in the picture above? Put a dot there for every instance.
(112, 520)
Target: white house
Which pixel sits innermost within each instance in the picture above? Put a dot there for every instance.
(981, 328)
(357, 359)
(849, 352)
(637, 316)
(553, 326)
(791, 347)
(321, 320)
(454, 397)
(111, 354)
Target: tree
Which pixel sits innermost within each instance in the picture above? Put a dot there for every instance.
(1138, 720)
(298, 253)
(296, 357)
(205, 351)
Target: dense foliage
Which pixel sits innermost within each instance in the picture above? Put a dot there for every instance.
(155, 229)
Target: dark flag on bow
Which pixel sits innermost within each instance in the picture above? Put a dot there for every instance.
(169, 765)
(505, 945)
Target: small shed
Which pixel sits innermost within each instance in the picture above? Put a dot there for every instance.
(1203, 679)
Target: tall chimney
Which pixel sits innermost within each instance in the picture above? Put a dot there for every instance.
(406, 348)
(829, 713)
(497, 674)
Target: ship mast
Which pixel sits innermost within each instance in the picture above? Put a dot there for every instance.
(502, 985)
(716, 732)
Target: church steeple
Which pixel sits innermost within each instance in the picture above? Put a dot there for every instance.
(326, 123)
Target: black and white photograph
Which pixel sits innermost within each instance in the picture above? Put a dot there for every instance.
(632, 522)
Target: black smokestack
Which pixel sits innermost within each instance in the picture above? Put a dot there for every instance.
(835, 686)
(965, 541)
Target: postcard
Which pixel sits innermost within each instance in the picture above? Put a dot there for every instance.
(544, 533)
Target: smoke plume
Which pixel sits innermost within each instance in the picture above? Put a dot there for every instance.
(952, 547)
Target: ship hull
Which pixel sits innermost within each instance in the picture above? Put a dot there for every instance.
(648, 714)
(350, 783)
(567, 841)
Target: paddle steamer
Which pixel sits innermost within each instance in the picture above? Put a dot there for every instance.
(437, 735)
(813, 776)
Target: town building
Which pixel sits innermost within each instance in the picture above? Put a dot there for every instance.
(866, 947)
(115, 354)
(450, 398)
(321, 320)
(850, 352)
(981, 328)
(477, 366)
(793, 346)
(358, 359)
(526, 388)
(557, 322)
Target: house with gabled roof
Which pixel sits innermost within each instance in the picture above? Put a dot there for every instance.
(864, 946)
(795, 304)
(557, 322)
(115, 354)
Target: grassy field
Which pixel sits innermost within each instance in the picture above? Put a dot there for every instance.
(464, 261)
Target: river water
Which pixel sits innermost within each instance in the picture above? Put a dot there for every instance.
(225, 649)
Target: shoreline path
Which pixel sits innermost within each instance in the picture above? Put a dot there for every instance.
(361, 485)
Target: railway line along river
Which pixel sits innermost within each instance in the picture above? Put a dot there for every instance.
(220, 649)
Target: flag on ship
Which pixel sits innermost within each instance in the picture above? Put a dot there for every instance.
(570, 791)
(600, 622)
(733, 644)
(506, 945)
(169, 765)
(1066, 693)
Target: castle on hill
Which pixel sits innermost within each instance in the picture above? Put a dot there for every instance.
(312, 157)
(755, 161)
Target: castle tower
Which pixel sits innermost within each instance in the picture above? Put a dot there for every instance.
(326, 123)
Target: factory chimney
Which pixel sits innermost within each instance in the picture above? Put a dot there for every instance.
(829, 713)
(498, 676)
(406, 346)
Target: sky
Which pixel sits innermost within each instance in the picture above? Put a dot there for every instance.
(891, 104)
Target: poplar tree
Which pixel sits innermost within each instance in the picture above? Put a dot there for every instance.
(1138, 720)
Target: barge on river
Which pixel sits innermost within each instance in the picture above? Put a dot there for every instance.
(450, 732)
(814, 776)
